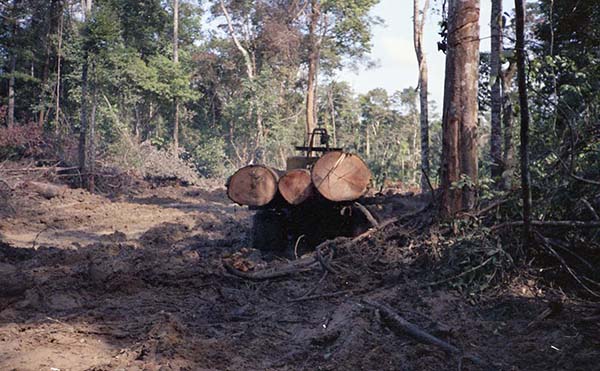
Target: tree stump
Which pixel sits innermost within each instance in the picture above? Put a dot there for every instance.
(253, 185)
(296, 186)
(340, 176)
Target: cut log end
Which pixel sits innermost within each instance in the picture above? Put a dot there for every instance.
(296, 186)
(253, 185)
(340, 176)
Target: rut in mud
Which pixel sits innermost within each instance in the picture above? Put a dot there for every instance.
(138, 283)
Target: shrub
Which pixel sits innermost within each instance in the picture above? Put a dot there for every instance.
(151, 162)
(21, 140)
(209, 157)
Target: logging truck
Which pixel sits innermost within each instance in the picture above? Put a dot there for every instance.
(313, 199)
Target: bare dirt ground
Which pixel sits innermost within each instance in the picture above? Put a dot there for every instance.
(138, 283)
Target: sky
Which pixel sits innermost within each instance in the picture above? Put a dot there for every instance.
(394, 51)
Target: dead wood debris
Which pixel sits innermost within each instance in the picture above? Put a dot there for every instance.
(545, 243)
(367, 213)
(293, 267)
(396, 322)
(552, 223)
(307, 263)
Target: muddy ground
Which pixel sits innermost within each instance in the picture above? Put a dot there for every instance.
(137, 282)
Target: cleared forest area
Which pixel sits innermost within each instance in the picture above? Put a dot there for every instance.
(192, 185)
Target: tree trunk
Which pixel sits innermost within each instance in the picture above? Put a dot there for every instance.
(368, 141)
(296, 186)
(496, 93)
(46, 68)
(58, 65)
(313, 58)
(332, 109)
(524, 109)
(176, 61)
(507, 123)
(91, 155)
(459, 122)
(418, 24)
(340, 176)
(84, 134)
(253, 185)
(11, 90)
(251, 73)
(13, 67)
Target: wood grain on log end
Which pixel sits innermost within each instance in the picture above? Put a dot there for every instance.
(340, 176)
(253, 185)
(296, 186)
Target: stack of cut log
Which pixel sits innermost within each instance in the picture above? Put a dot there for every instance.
(337, 176)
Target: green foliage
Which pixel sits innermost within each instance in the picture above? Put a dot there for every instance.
(209, 157)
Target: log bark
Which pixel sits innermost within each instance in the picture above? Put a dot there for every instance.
(296, 186)
(253, 185)
(341, 176)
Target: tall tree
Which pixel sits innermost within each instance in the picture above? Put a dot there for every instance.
(418, 24)
(524, 109)
(86, 154)
(314, 42)
(251, 73)
(176, 61)
(58, 69)
(13, 64)
(496, 92)
(459, 123)
(507, 124)
(335, 30)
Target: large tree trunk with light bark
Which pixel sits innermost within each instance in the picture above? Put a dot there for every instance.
(313, 60)
(418, 24)
(508, 154)
(459, 123)
(340, 176)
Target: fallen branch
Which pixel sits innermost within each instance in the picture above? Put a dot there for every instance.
(396, 322)
(430, 186)
(38, 235)
(368, 233)
(590, 208)
(459, 275)
(493, 205)
(325, 263)
(552, 223)
(320, 296)
(312, 289)
(547, 245)
(46, 168)
(310, 262)
(295, 266)
(367, 213)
